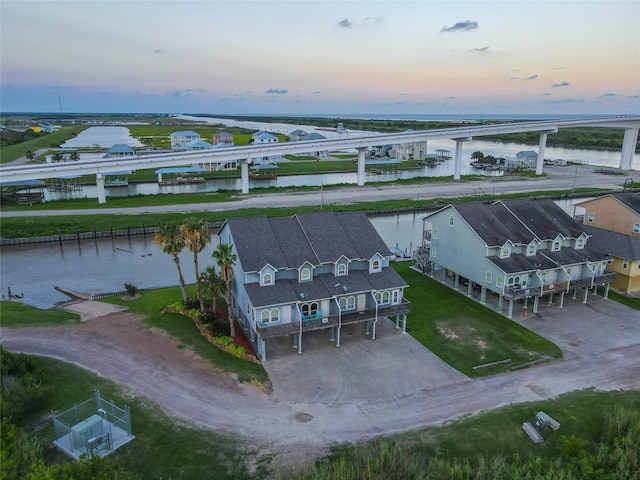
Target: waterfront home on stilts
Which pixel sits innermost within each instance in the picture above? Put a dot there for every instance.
(312, 271)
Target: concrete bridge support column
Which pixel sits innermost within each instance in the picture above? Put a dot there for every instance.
(457, 166)
(102, 198)
(361, 154)
(541, 147)
(628, 148)
(244, 174)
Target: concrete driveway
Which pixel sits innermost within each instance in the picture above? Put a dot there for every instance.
(359, 370)
(396, 364)
(583, 329)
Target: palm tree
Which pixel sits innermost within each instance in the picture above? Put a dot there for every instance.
(196, 236)
(225, 259)
(211, 282)
(172, 243)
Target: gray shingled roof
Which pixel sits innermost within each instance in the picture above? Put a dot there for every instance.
(544, 218)
(614, 243)
(494, 223)
(321, 237)
(630, 199)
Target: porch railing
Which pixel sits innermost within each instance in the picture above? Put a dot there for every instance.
(326, 321)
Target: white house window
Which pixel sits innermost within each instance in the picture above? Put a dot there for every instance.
(625, 264)
(434, 251)
(556, 246)
(505, 252)
(591, 217)
(382, 298)
(347, 303)
(543, 277)
(580, 243)
(267, 279)
(451, 221)
(305, 274)
(376, 266)
(342, 269)
(569, 272)
(499, 281)
(636, 228)
(434, 234)
(531, 249)
(270, 316)
(488, 277)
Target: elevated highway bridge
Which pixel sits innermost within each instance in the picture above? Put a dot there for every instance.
(361, 143)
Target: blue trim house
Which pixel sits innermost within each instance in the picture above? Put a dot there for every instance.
(518, 249)
(311, 271)
(180, 140)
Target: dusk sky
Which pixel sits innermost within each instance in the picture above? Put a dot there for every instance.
(307, 57)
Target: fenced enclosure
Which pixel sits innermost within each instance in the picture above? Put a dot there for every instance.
(93, 427)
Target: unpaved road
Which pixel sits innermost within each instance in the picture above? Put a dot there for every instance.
(118, 346)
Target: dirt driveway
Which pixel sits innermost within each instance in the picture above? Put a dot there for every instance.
(118, 346)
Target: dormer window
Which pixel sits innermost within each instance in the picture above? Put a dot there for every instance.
(555, 247)
(505, 252)
(375, 264)
(267, 276)
(531, 249)
(305, 274)
(580, 243)
(341, 267)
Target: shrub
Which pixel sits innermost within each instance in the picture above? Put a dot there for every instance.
(131, 289)
(218, 327)
(192, 303)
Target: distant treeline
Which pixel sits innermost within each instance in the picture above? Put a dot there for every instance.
(582, 137)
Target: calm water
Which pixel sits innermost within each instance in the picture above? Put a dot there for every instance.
(105, 137)
(604, 158)
(105, 265)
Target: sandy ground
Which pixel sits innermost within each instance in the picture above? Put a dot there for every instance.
(119, 346)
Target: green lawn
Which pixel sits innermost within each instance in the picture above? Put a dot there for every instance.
(463, 332)
(16, 314)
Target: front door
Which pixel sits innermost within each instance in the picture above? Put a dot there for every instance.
(362, 302)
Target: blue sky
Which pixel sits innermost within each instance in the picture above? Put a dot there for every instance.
(306, 57)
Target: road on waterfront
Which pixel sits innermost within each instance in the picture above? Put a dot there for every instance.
(557, 178)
